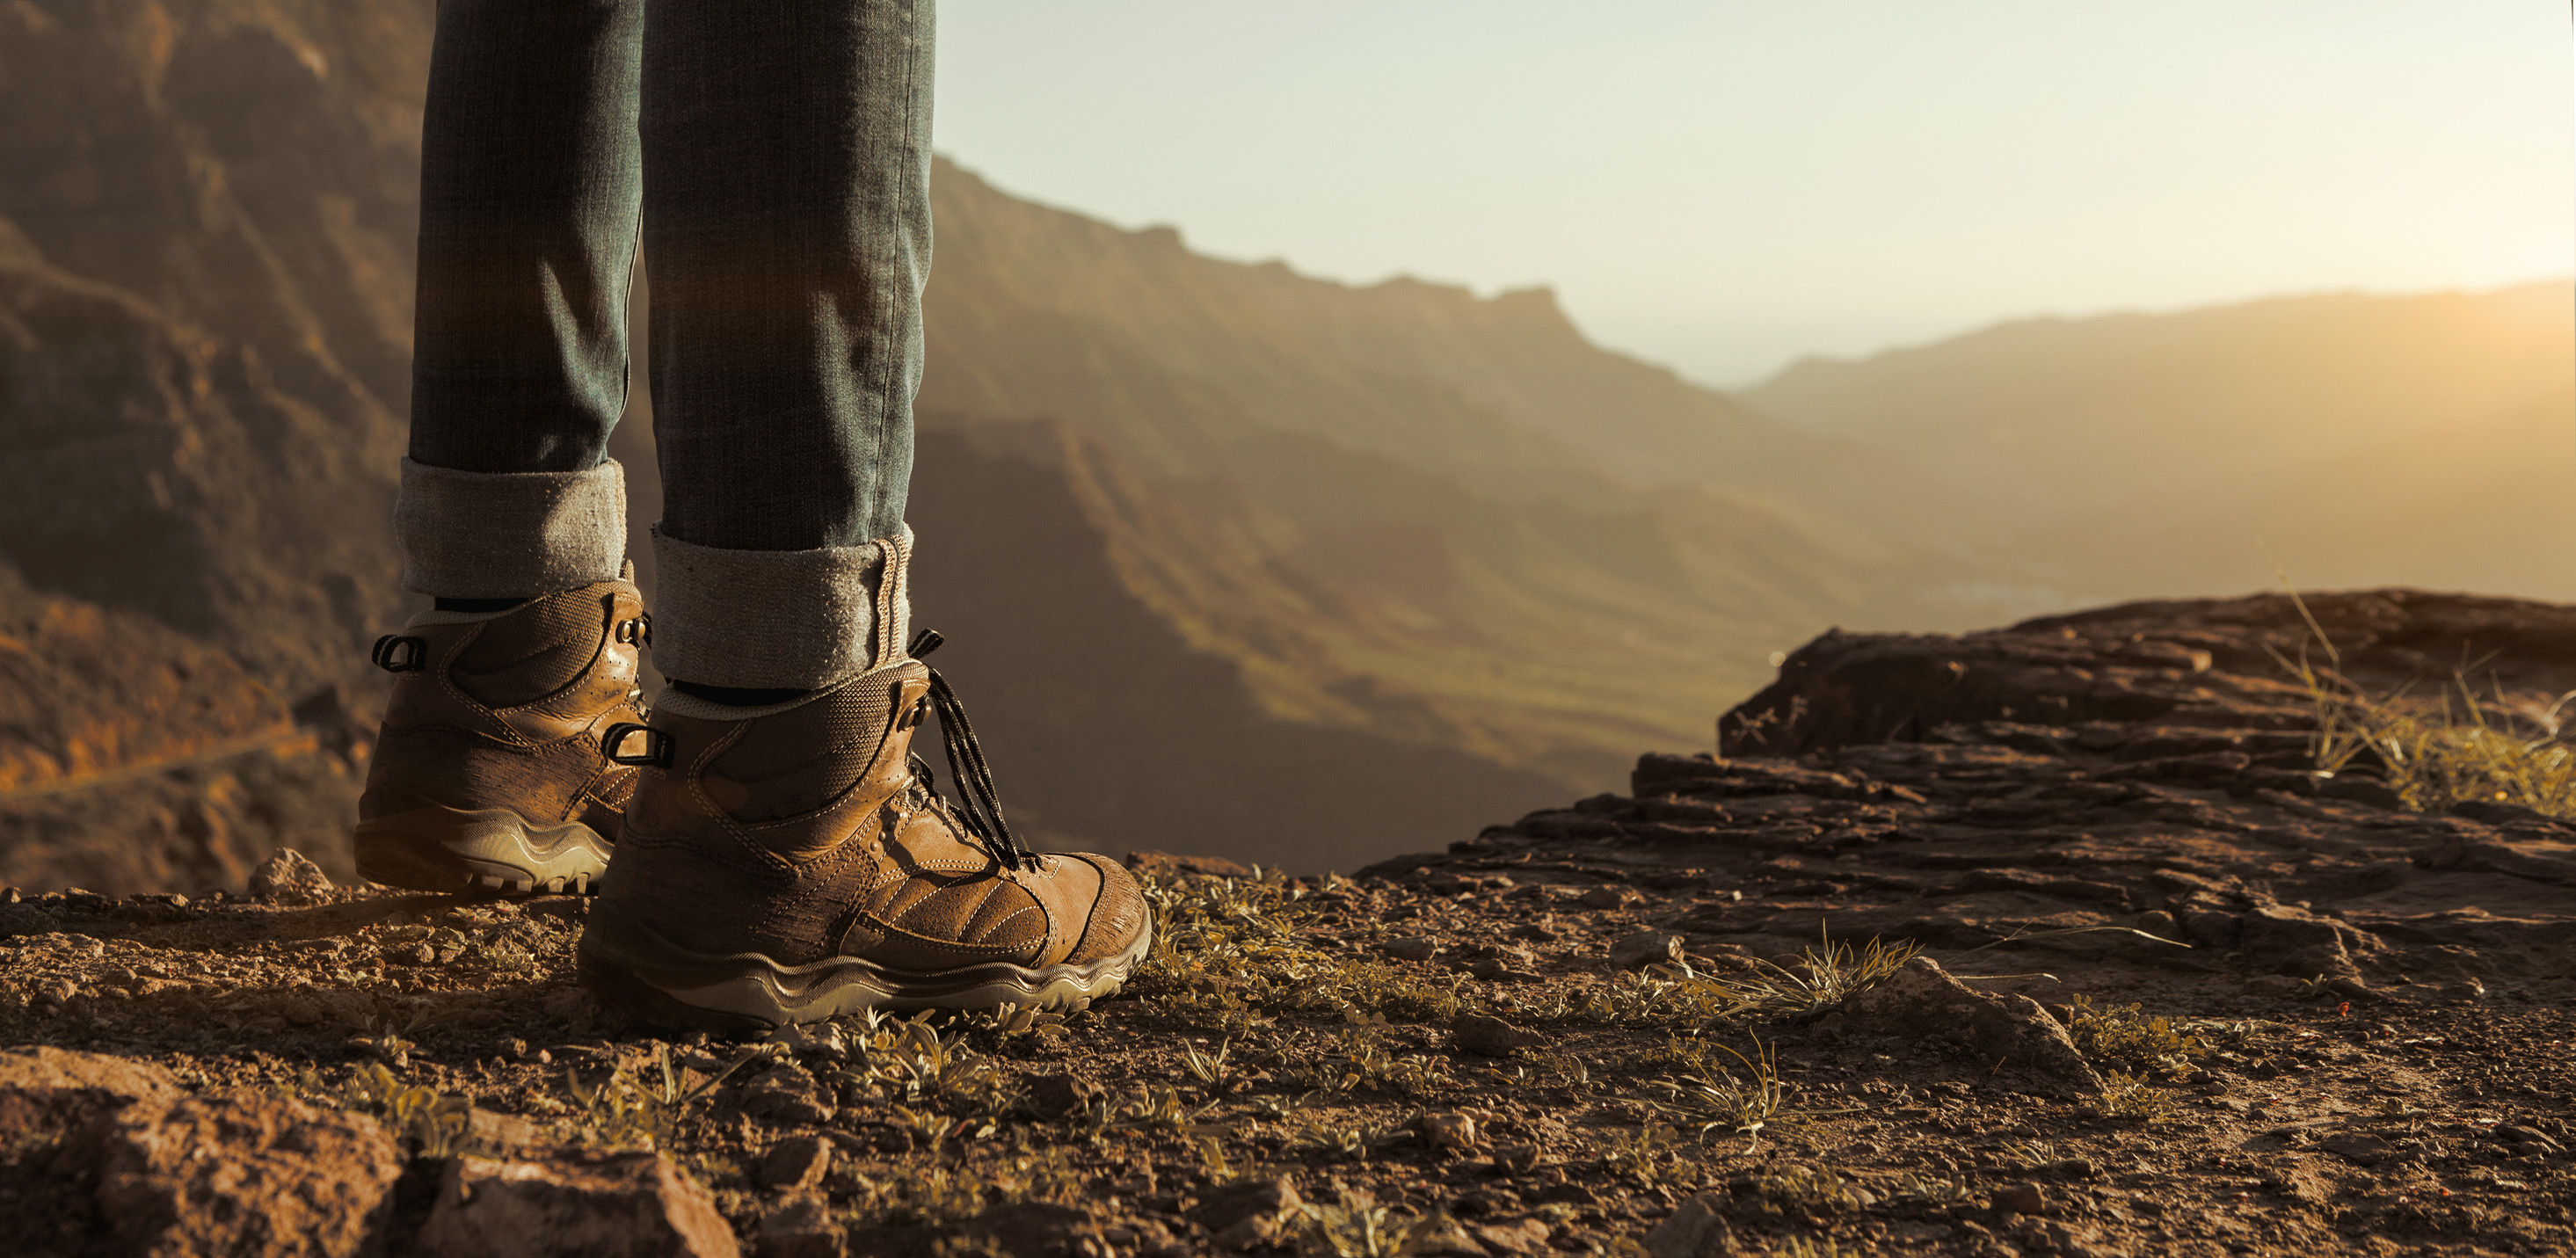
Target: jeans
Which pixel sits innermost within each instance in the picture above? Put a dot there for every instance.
(772, 157)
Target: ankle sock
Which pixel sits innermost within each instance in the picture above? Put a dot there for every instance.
(480, 604)
(738, 696)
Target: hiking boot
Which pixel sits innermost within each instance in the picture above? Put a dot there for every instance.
(489, 771)
(797, 862)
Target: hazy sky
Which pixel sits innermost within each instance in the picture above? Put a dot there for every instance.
(1724, 184)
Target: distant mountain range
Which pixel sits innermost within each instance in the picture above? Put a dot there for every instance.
(1232, 559)
(2360, 440)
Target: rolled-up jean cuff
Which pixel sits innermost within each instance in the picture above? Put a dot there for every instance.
(509, 534)
(774, 619)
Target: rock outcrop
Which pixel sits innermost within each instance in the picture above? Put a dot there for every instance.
(2135, 783)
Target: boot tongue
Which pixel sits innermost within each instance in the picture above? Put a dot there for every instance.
(537, 650)
(789, 763)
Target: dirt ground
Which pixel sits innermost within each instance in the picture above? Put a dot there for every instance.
(2137, 980)
(2318, 1120)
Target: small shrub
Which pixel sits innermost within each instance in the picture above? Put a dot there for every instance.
(2127, 1037)
(1364, 1065)
(919, 1066)
(1801, 1190)
(937, 1191)
(2125, 1095)
(434, 1126)
(1358, 1229)
(1355, 1141)
(614, 1111)
(1655, 1157)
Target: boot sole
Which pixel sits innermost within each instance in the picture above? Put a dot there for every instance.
(487, 849)
(746, 991)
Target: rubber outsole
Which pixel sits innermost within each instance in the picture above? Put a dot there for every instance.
(487, 849)
(666, 984)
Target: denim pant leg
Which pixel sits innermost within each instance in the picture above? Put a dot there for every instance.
(785, 152)
(531, 182)
(787, 232)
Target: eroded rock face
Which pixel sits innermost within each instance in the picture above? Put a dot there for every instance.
(611, 1205)
(243, 1174)
(2195, 666)
(2133, 784)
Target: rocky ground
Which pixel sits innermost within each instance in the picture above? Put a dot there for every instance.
(2046, 941)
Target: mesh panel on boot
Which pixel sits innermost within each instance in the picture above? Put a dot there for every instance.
(801, 759)
(535, 651)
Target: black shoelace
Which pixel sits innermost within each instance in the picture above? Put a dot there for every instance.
(979, 807)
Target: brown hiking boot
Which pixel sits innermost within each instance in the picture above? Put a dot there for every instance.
(489, 771)
(796, 863)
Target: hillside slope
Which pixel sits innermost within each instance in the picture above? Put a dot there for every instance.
(1411, 510)
(2419, 440)
(205, 294)
(2052, 415)
(2478, 504)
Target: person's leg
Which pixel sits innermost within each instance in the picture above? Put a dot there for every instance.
(489, 769)
(787, 229)
(782, 860)
(530, 187)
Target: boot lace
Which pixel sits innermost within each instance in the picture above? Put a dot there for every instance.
(979, 807)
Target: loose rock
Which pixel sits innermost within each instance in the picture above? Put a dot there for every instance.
(1409, 949)
(1492, 1037)
(288, 877)
(1035, 1229)
(1249, 1212)
(1166, 865)
(2358, 1148)
(1060, 1094)
(626, 1205)
(2013, 1035)
(796, 1163)
(1449, 1131)
(1524, 1239)
(243, 1173)
(1645, 948)
(785, 1093)
(1693, 1230)
(801, 1227)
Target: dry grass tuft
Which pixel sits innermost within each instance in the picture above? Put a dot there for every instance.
(1743, 1105)
(1829, 974)
(2458, 748)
